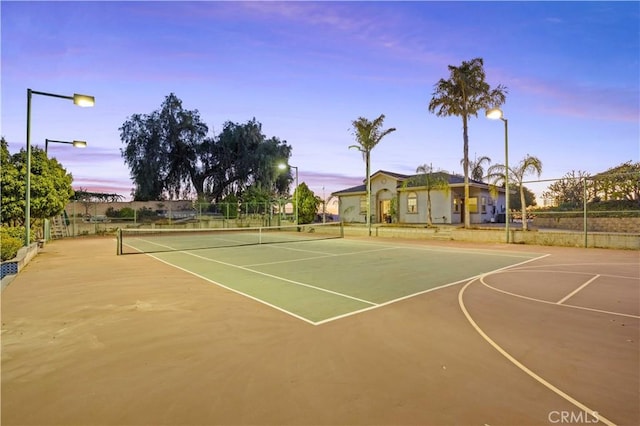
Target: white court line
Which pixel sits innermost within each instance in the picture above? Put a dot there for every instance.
(456, 250)
(521, 366)
(234, 290)
(319, 257)
(268, 275)
(559, 302)
(552, 303)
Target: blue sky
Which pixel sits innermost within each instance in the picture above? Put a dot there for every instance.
(306, 70)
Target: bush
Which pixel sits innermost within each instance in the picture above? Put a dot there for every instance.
(10, 243)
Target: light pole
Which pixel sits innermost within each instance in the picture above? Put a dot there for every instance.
(496, 114)
(76, 144)
(283, 166)
(80, 100)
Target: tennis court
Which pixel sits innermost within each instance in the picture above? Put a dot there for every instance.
(311, 273)
(324, 331)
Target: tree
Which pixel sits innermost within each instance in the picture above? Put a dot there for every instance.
(50, 186)
(162, 150)
(619, 183)
(528, 165)
(432, 182)
(476, 167)
(463, 95)
(169, 155)
(13, 188)
(368, 134)
(529, 198)
(242, 156)
(308, 203)
(568, 192)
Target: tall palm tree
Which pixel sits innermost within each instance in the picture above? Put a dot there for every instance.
(368, 134)
(432, 182)
(529, 165)
(464, 94)
(476, 168)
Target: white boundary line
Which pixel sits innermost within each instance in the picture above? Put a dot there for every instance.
(281, 278)
(521, 366)
(233, 290)
(568, 296)
(373, 304)
(554, 303)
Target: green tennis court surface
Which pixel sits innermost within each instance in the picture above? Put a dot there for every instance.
(322, 280)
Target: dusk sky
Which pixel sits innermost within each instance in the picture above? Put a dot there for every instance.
(306, 70)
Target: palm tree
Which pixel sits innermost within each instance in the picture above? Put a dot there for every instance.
(476, 168)
(464, 94)
(432, 182)
(368, 134)
(528, 165)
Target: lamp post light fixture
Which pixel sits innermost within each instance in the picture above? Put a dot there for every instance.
(496, 114)
(283, 166)
(76, 144)
(80, 100)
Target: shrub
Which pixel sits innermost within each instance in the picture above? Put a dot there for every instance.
(9, 242)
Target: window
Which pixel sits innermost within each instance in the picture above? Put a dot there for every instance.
(473, 204)
(363, 205)
(412, 202)
(483, 205)
(456, 205)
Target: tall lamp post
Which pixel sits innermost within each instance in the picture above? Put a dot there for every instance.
(80, 100)
(496, 114)
(76, 144)
(283, 166)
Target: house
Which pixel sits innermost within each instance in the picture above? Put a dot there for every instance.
(403, 198)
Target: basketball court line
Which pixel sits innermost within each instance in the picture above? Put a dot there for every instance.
(521, 366)
(483, 282)
(568, 296)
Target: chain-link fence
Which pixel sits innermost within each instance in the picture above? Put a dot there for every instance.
(87, 218)
(606, 203)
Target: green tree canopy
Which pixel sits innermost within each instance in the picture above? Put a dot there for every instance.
(170, 155)
(308, 203)
(618, 183)
(50, 185)
(464, 94)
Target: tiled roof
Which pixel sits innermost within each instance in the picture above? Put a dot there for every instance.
(452, 179)
(353, 189)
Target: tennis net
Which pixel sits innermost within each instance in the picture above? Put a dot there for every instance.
(144, 240)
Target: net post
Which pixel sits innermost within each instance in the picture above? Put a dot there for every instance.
(260, 235)
(118, 241)
(341, 229)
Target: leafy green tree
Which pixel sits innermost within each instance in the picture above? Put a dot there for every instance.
(256, 199)
(431, 182)
(162, 150)
(242, 156)
(368, 134)
(308, 203)
(50, 186)
(13, 188)
(568, 192)
(463, 95)
(529, 198)
(169, 155)
(529, 165)
(619, 183)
